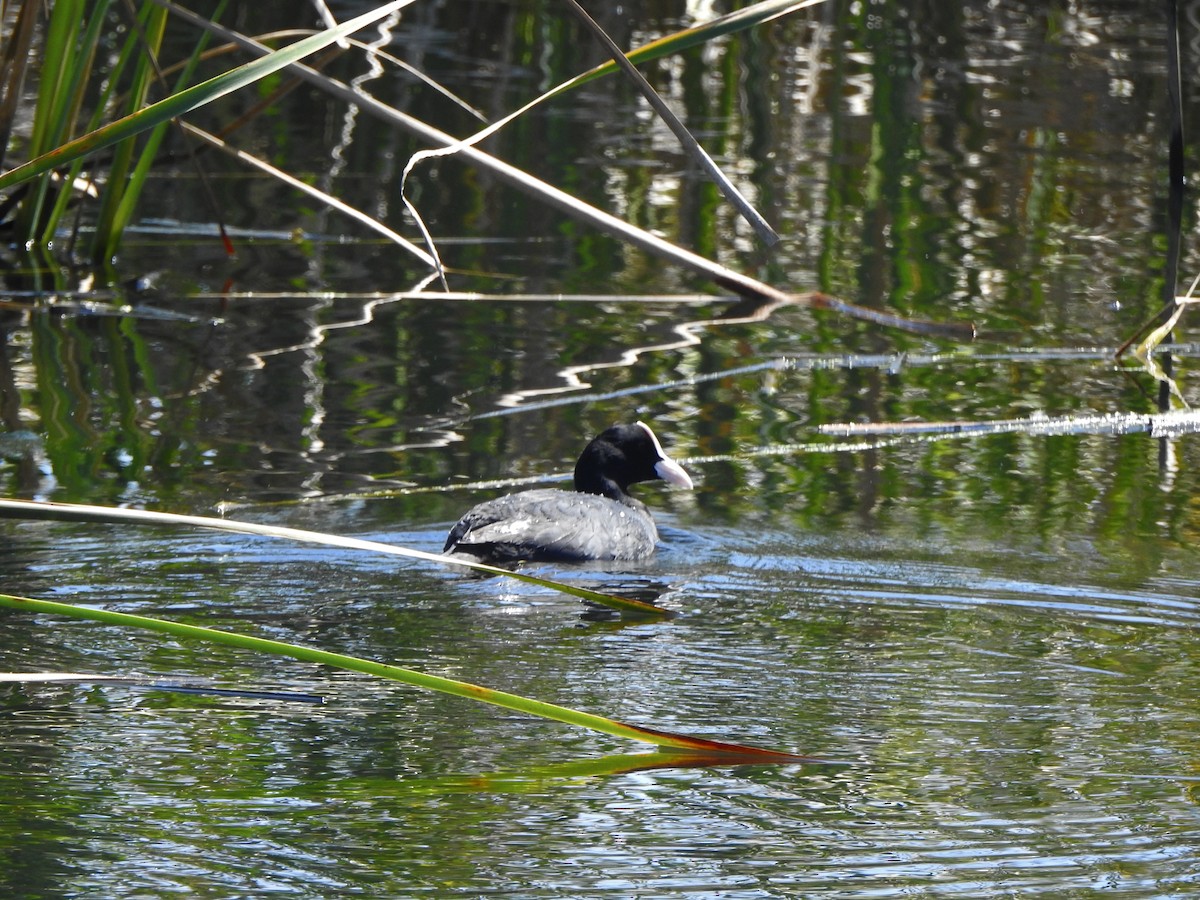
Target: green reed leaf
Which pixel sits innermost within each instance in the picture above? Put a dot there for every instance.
(193, 98)
(717, 750)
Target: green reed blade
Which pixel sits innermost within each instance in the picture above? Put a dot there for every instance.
(68, 52)
(726, 752)
(193, 97)
(147, 38)
(109, 232)
(48, 225)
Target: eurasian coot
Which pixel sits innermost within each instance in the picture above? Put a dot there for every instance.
(598, 520)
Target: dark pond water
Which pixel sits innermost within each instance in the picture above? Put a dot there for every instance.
(992, 636)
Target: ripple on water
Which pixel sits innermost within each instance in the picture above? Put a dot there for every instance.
(1010, 732)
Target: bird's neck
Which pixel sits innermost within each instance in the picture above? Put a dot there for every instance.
(605, 487)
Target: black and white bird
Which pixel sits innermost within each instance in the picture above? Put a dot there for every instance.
(598, 520)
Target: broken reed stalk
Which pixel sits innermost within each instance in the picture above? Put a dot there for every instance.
(741, 284)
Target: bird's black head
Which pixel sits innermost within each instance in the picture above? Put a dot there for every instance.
(624, 455)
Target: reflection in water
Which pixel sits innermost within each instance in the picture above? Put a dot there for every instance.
(1009, 730)
(998, 632)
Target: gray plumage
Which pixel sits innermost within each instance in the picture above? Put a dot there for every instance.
(554, 526)
(598, 520)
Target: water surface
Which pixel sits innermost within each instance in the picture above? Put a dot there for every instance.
(990, 637)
